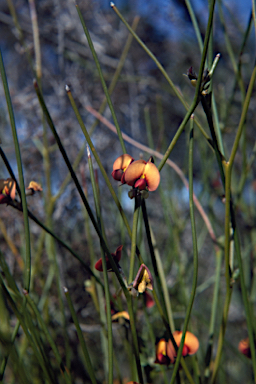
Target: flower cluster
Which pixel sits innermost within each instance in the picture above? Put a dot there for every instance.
(140, 174)
(166, 353)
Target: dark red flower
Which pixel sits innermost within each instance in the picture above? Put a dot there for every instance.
(149, 301)
(116, 256)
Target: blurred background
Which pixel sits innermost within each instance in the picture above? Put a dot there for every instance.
(141, 93)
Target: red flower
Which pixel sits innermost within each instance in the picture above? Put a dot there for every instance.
(149, 301)
(142, 175)
(120, 165)
(116, 256)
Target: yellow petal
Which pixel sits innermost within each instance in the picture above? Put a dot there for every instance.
(123, 314)
(35, 186)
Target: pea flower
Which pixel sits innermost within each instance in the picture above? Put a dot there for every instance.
(7, 190)
(191, 343)
(120, 165)
(142, 174)
(143, 279)
(116, 256)
(123, 315)
(161, 353)
(166, 353)
(244, 347)
(33, 188)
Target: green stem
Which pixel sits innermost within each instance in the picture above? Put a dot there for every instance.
(117, 71)
(243, 117)
(214, 309)
(103, 172)
(27, 272)
(160, 282)
(221, 336)
(44, 227)
(105, 275)
(195, 252)
(134, 236)
(81, 338)
(78, 186)
(49, 337)
(134, 338)
(105, 89)
(159, 65)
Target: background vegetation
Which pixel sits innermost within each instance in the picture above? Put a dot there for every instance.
(46, 40)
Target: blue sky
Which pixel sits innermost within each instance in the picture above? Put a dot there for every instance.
(167, 18)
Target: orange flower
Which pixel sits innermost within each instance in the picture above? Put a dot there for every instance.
(132, 382)
(116, 256)
(7, 190)
(191, 343)
(142, 175)
(120, 165)
(166, 353)
(244, 347)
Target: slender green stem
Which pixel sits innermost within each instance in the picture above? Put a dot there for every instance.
(117, 71)
(170, 336)
(134, 236)
(221, 336)
(78, 186)
(38, 222)
(27, 271)
(49, 337)
(250, 319)
(160, 67)
(195, 252)
(161, 283)
(135, 339)
(29, 332)
(95, 57)
(243, 117)
(195, 25)
(105, 275)
(213, 314)
(81, 338)
(162, 277)
(97, 158)
(178, 133)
